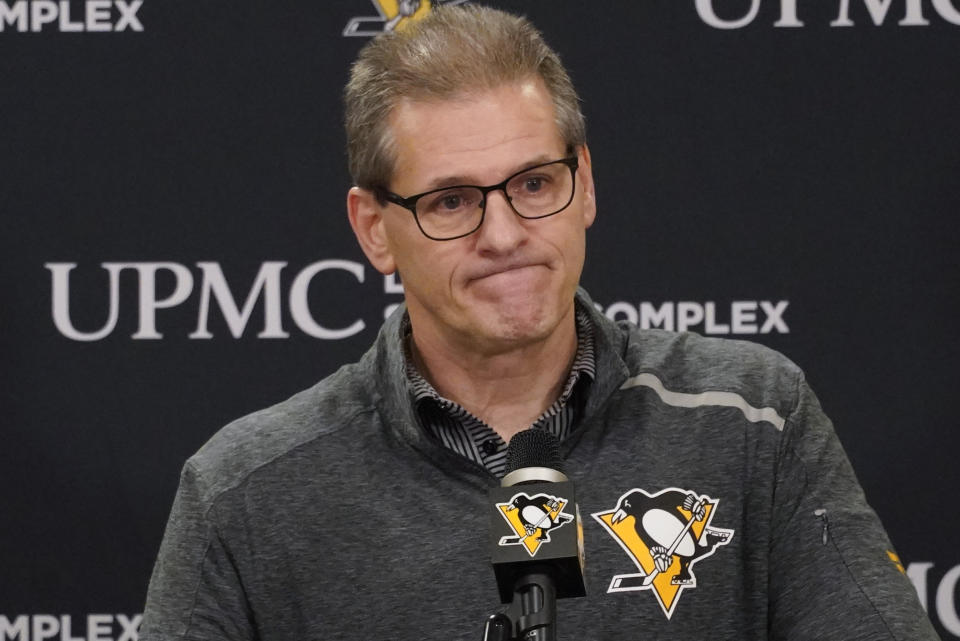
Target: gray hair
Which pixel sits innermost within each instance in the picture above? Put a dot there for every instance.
(450, 52)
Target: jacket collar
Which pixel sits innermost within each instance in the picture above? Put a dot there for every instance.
(384, 368)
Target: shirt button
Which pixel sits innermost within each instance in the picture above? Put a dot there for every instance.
(489, 448)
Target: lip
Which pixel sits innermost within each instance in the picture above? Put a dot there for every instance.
(494, 270)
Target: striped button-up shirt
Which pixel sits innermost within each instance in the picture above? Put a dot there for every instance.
(459, 430)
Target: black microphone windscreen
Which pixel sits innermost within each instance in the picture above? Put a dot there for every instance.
(534, 448)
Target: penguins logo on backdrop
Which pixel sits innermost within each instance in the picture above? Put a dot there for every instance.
(532, 518)
(664, 534)
(394, 14)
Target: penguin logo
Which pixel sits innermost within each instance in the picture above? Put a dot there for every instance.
(664, 534)
(394, 14)
(532, 518)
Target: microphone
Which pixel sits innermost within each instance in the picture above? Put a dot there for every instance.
(536, 538)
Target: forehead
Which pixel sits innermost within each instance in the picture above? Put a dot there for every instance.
(476, 137)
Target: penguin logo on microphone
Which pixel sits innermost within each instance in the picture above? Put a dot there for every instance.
(532, 518)
(664, 534)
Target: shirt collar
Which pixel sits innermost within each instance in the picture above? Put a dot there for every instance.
(583, 363)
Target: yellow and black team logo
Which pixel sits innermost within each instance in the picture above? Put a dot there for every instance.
(664, 534)
(394, 14)
(532, 518)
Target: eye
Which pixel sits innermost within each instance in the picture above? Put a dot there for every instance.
(450, 201)
(533, 184)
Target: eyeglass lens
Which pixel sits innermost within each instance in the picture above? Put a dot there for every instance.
(535, 193)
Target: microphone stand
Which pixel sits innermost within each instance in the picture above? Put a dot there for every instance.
(532, 615)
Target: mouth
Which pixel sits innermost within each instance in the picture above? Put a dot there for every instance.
(496, 270)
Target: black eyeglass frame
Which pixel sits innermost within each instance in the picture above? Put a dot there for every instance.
(410, 203)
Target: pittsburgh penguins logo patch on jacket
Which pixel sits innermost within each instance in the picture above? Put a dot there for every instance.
(664, 534)
(532, 518)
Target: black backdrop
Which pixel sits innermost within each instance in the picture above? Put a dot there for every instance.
(794, 184)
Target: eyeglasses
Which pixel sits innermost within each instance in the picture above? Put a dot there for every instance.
(454, 212)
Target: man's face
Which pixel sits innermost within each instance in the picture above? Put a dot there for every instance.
(512, 282)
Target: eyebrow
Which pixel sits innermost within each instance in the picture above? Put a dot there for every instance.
(450, 181)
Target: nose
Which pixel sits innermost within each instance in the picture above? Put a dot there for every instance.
(502, 230)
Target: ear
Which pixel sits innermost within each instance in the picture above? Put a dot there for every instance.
(585, 176)
(366, 219)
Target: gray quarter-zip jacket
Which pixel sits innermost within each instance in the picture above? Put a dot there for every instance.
(705, 464)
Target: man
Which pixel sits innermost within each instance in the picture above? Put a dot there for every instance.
(356, 509)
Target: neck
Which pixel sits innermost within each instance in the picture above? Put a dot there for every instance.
(506, 389)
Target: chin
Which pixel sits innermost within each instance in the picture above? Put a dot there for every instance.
(519, 328)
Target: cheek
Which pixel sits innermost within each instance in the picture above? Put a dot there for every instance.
(573, 242)
(406, 243)
(426, 269)
(574, 251)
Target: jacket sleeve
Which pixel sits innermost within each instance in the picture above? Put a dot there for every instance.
(195, 592)
(833, 571)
